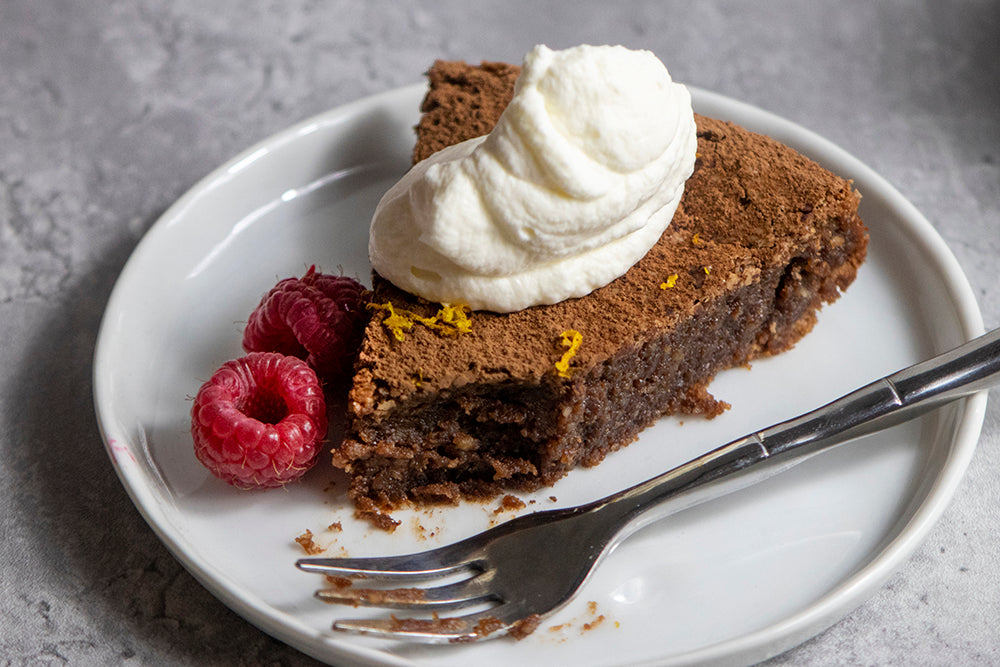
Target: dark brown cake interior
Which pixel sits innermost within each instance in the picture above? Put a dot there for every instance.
(762, 237)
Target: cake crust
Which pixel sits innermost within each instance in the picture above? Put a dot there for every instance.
(762, 238)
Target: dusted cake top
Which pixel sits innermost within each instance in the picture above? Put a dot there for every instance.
(576, 182)
(746, 207)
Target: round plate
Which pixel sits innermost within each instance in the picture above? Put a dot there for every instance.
(732, 581)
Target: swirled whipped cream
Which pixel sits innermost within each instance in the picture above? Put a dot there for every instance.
(577, 181)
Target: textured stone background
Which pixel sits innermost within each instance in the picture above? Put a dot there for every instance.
(110, 110)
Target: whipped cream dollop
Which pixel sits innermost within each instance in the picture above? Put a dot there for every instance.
(577, 181)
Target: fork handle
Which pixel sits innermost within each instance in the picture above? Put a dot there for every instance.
(892, 400)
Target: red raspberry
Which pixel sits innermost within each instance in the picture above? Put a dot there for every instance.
(258, 420)
(319, 318)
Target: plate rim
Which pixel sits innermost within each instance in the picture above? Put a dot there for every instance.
(756, 645)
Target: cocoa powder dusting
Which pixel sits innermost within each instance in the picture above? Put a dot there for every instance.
(451, 115)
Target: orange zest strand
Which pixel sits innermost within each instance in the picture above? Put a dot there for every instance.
(450, 320)
(571, 340)
(670, 281)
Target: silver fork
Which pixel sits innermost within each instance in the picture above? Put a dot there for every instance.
(517, 573)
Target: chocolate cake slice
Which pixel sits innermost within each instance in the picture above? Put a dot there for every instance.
(443, 408)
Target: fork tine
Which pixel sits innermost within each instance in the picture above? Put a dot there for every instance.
(457, 594)
(410, 567)
(439, 630)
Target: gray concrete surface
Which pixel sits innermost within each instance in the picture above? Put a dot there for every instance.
(110, 110)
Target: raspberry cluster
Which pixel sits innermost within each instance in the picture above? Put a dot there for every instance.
(258, 422)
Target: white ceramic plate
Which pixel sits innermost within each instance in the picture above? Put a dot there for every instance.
(733, 581)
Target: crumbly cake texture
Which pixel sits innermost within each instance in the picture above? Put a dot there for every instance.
(762, 238)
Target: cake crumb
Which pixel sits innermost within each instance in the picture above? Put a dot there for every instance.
(339, 582)
(488, 626)
(433, 624)
(335, 527)
(598, 619)
(305, 541)
(422, 532)
(525, 626)
(509, 503)
(585, 622)
(367, 510)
